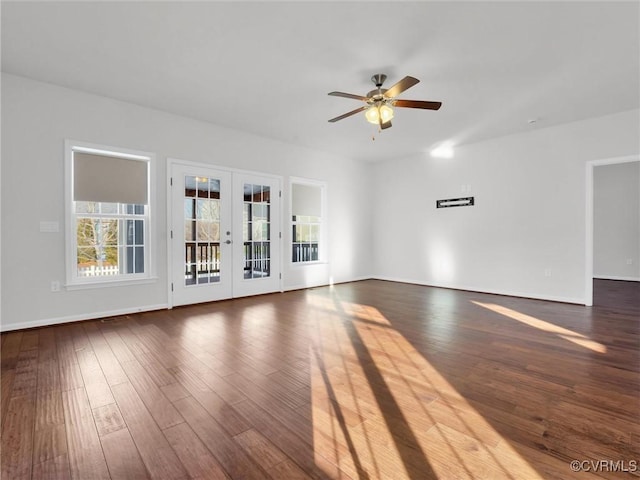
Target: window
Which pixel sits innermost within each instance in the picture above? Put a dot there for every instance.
(307, 199)
(108, 214)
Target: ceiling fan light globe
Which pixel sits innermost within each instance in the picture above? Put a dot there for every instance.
(372, 116)
(386, 112)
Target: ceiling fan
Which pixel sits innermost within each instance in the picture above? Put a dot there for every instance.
(379, 102)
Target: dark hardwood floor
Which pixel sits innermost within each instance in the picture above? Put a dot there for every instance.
(367, 380)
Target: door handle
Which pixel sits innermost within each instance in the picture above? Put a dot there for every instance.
(227, 242)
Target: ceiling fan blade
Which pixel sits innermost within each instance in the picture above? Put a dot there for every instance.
(348, 114)
(348, 95)
(385, 125)
(401, 86)
(417, 104)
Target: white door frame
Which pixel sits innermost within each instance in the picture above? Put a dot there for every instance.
(591, 164)
(174, 161)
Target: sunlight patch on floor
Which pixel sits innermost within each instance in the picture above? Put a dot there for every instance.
(561, 332)
(341, 405)
(381, 410)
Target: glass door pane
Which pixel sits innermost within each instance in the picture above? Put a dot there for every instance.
(256, 230)
(201, 230)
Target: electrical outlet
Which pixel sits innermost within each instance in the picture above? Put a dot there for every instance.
(55, 286)
(629, 261)
(547, 272)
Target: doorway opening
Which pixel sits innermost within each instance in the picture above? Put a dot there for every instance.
(589, 241)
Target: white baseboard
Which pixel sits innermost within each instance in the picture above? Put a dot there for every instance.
(615, 277)
(7, 327)
(551, 298)
(290, 288)
(45, 322)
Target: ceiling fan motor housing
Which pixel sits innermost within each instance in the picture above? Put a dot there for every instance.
(375, 95)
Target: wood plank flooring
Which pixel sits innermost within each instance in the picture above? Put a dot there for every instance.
(367, 380)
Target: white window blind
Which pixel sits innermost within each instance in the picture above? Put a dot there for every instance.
(306, 200)
(102, 178)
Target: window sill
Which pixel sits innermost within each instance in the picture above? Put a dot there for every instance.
(110, 283)
(307, 264)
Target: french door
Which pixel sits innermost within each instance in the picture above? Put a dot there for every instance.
(225, 234)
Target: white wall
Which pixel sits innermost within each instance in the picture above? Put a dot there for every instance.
(526, 234)
(37, 118)
(616, 221)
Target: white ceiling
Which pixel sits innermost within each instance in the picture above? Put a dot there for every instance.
(266, 67)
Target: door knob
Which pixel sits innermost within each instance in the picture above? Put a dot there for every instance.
(227, 242)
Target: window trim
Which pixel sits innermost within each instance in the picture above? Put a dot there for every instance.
(323, 256)
(73, 282)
